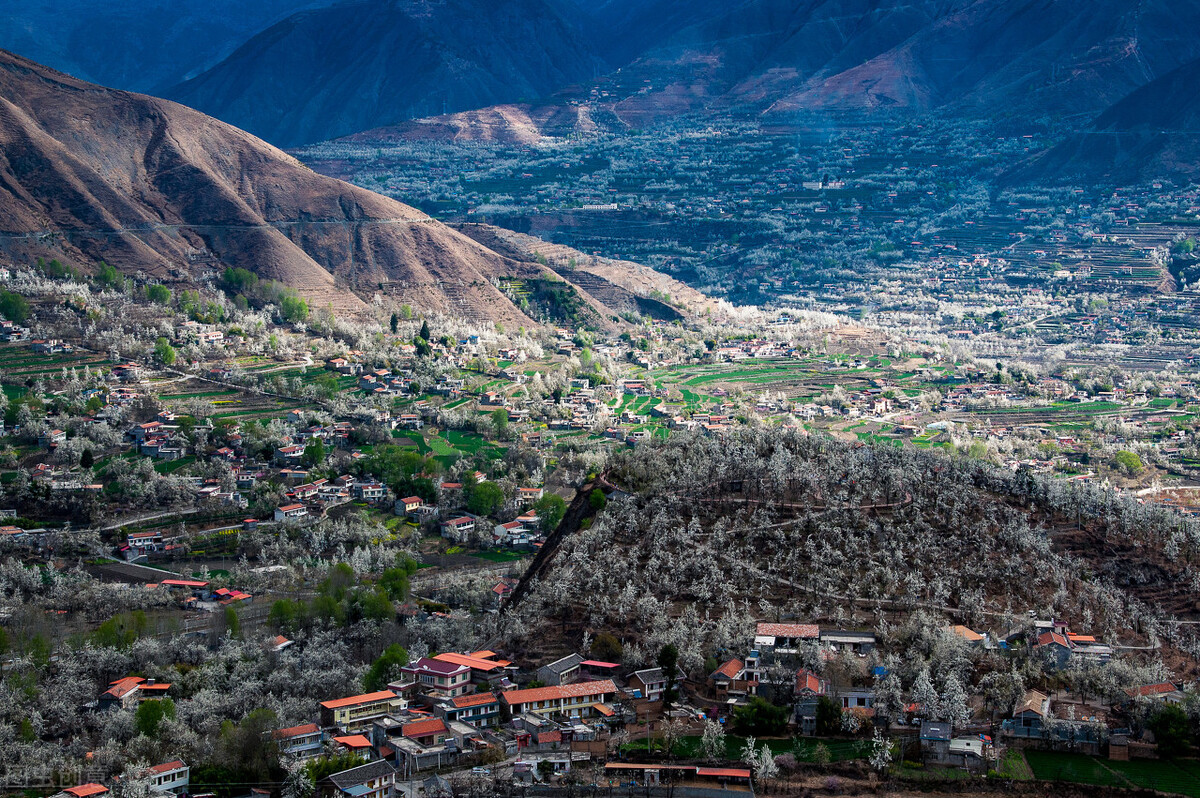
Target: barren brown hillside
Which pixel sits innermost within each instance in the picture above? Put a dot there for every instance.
(89, 174)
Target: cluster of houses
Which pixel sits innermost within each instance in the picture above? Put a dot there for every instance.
(773, 669)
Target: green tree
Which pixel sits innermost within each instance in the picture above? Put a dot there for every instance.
(424, 333)
(597, 500)
(314, 452)
(395, 323)
(395, 583)
(607, 648)
(337, 581)
(484, 498)
(1171, 730)
(14, 307)
(393, 464)
(150, 715)
(284, 615)
(108, 277)
(550, 510)
(668, 660)
(386, 668)
(158, 293)
(233, 624)
(164, 351)
(760, 717)
(87, 459)
(373, 605)
(500, 423)
(829, 717)
(292, 308)
(1128, 462)
(121, 631)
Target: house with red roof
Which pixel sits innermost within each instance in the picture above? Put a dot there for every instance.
(427, 732)
(304, 741)
(439, 677)
(173, 777)
(1160, 693)
(784, 638)
(1054, 649)
(476, 709)
(131, 690)
(486, 669)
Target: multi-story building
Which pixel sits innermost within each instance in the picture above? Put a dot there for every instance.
(172, 777)
(357, 713)
(580, 700)
(439, 678)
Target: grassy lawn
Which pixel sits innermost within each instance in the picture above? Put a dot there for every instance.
(440, 447)
(1182, 777)
(1077, 768)
(497, 555)
(1014, 766)
(171, 466)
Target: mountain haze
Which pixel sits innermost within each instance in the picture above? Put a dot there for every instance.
(356, 65)
(1149, 134)
(139, 45)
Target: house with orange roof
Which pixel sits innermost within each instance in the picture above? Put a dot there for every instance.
(355, 744)
(578, 700)
(485, 667)
(356, 713)
(89, 790)
(731, 680)
(972, 637)
(131, 690)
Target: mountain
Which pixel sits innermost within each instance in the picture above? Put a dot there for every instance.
(1149, 134)
(990, 56)
(152, 187)
(140, 45)
(329, 72)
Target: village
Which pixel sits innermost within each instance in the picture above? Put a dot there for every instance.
(275, 492)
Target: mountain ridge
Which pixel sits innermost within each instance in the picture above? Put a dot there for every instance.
(89, 174)
(333, 71)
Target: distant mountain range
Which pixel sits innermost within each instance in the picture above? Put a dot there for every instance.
(333, 71)
(991, 56)
(89, 174)
(512, 70)
(140, 45)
